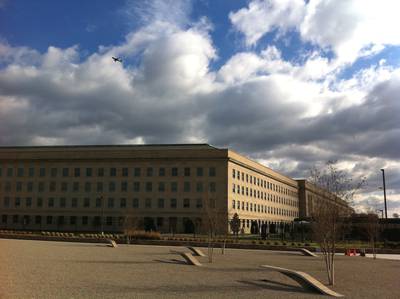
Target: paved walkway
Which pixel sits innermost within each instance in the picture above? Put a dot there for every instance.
(43, 269)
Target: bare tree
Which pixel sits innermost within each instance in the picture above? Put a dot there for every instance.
(215, 224)
(329, 212)
(372, 228)
(131, 224)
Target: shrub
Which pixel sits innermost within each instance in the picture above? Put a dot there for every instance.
(261, 242)
(276, 243)
(253, 242)
(146, 235)
(306, 244)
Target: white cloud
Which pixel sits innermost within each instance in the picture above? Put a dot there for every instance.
(350, 28)
(261, 17)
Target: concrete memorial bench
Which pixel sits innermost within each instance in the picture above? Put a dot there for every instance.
(196, 251)
(111, 243)
(307, 252)
(189, 258)
(305, 280)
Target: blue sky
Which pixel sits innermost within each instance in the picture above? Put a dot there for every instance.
(290, 83)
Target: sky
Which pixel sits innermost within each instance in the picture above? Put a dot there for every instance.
(290, 83)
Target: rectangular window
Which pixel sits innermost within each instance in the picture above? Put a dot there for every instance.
(122, 203)
(137, 171)
(77, 172)
(161, 171)
(212, 171)
(174, 187)
(72, 220)
(7, 187)
(110, 203)
(100, 172)
(124, 186)
(233, 204)
(111, 186)
(186, 203)
(31, 171)
(161, 186)
(63, 202)
(29, 202)
(17, 202)
(233, 173)
(65, 172)
(149, 186)
(125, 171)
(109, 220)
(233, 188)
(53, 172)
(186, 186)
(4, 219)
(85, 220)
(213, 187)
(74, 203)
(99, 202)
(99, 187)
(199, 171)
(187, 171)
(147, 203)
(52, 186)
(50, 202)
(49, 219)
(38, 219)
(173, 203)
(199, 187)
(42, 172)
(199, 203)
(19, 186)
(135, 203)
(41, 187)
(238, 205)
(174, 171)
(30, 186)
(20, 172)
(88, 187)
(161, 203)
(149, 171)
(10, 172)
(86, 202)
(113, 171)
(136, 186)
(15, 218)
(89, 172)
(39, 202)
(75, 187)
(6, 202)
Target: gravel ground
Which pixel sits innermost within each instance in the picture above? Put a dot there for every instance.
(41, 269)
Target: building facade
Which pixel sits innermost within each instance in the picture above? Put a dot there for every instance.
(168, 187)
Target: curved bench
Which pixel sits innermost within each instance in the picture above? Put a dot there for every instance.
(305, 280)
(195, 251)
(190, 259)
(307, 252)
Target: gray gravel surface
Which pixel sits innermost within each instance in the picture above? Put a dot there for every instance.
(41, 269)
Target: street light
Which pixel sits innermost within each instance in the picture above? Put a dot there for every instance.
(384, 190)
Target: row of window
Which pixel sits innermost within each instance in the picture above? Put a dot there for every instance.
(63, 220)
(111, 186)
(261, 183)
(246, 206)
(86, 220)
(263, 195)
(99, 203)
(101, 172)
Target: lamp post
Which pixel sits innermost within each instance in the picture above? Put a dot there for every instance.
(384, 190)
(102, 214)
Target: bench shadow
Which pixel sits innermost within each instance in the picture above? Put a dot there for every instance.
(171, 261)
(113, 262)
(276, 286)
